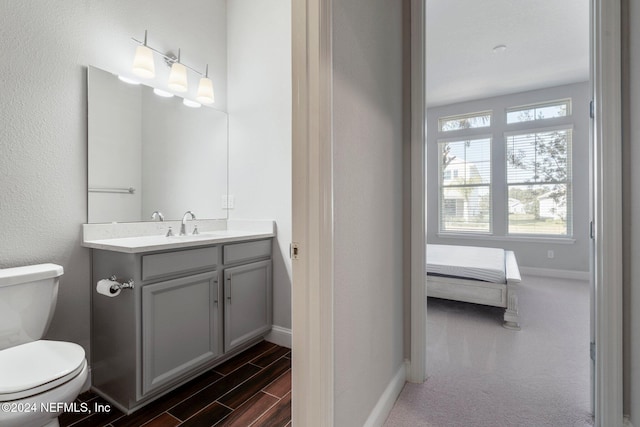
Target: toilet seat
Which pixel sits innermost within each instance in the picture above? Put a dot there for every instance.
(38, 366)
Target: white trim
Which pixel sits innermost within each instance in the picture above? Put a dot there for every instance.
(312, 219)
(607, 215)
(541, 129)
(557, 274)
(279, 335)
(418, 366)
(381, 411)
(511, 238)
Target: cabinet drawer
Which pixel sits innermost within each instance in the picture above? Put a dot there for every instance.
(240, 252)
(172, 263)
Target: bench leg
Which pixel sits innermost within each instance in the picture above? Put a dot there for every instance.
(511, 318)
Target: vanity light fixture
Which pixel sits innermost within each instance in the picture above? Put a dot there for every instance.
(205, 89)
(178, 76)
(143, 66)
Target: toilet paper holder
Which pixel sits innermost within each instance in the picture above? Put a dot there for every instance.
(120, 285)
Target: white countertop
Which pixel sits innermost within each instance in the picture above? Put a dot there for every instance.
(148, 243)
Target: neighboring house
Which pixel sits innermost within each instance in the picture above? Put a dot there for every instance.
(516, 206)
(461, 201)
(548, 207)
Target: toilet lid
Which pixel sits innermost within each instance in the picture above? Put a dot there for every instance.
(31, 365)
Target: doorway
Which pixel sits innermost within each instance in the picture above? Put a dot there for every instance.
(312, 328)
(606, 196)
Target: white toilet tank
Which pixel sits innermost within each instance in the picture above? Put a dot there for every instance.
(27, 301)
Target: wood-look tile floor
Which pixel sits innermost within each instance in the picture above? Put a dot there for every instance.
(251, 389)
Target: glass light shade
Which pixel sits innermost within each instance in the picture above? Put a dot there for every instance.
(190, 103)
(143, 65)
(178, 77)
(205, 91)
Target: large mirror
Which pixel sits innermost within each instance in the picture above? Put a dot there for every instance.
(151, 153)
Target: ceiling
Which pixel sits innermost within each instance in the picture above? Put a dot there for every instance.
(547, 45)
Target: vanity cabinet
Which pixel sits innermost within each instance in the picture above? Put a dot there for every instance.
(247, 281)
(181, 327)
(190, 309)
(247, 309)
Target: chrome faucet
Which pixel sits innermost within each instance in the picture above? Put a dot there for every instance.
(183, 226)
(158, 215)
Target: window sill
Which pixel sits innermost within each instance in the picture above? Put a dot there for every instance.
(527, 239)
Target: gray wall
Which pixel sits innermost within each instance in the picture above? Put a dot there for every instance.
(367, 176)
(575, 256)
(43, 120)
(259, 46)
(631, 208)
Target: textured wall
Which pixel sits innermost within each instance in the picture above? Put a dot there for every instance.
(259, 46)
(367, 177)
(43, 121)
(574, 257)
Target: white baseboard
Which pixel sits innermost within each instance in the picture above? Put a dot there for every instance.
(280, 336)
(558, 274)
(381, 411)
(626, 422)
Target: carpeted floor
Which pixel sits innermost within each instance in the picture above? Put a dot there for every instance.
(481, 374)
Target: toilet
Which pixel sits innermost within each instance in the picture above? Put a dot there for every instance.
(39, 379)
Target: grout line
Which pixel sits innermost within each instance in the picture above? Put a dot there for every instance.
(246, 363)
(262, 414)
(270, 394)
(192, 394)
(222, 404)
(159, 415)
(267, 386)
(205, 407)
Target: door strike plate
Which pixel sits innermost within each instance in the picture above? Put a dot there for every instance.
(294, 251)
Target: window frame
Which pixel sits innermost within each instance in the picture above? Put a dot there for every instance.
(567, 101)
(465, 116)
(464, 138)
(568, 183)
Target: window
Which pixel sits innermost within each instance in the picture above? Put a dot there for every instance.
(465, 185)
(539, 182)
(466, 121)
(544, 111)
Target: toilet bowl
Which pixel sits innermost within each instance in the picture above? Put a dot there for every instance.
(39, 379)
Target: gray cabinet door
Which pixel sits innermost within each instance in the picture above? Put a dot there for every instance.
(180, 327)
(247, 303)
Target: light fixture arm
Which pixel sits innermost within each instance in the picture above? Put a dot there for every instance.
(169, 59)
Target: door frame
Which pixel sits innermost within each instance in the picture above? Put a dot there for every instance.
(606, 78)
(417, 366)
(312, 216)
(312, 292)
